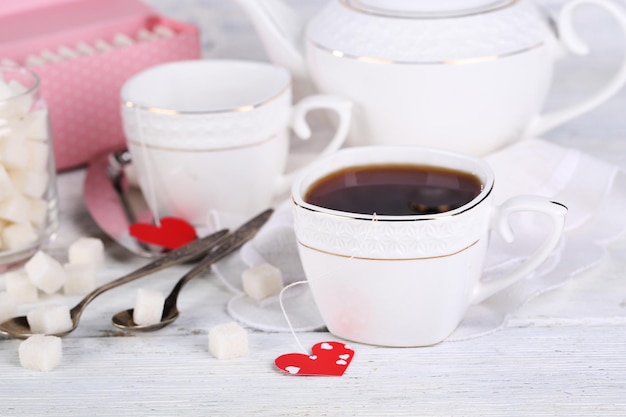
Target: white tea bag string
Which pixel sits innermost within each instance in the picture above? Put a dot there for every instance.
(294, 284)
(149, 178)
(282, 308)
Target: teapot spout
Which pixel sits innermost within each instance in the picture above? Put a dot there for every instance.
(281, 31)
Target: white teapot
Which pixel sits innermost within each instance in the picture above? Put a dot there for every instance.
(465, 75)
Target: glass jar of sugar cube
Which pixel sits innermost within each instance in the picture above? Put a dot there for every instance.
(28, 197)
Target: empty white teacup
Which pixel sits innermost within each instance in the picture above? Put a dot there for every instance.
(212, 136)
(405, 280)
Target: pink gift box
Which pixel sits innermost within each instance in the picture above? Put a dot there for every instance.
(82, 93)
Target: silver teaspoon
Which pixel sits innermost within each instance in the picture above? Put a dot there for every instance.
(124, 319)
(18, 326)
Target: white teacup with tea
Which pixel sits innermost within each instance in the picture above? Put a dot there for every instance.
(393, 240)
(212, 136)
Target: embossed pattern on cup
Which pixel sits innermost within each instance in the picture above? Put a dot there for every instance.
(209, 130)
(379, 239)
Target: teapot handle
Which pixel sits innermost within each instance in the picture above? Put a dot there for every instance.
(576, 45)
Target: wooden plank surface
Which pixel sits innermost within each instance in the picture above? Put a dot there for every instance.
(519, 371)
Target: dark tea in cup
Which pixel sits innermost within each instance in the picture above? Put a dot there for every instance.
(395, 190)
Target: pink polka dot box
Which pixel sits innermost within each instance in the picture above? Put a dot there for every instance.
(83, 51)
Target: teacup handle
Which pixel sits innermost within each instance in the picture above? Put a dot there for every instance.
(500, 223)
(301, 127)
(573, 43)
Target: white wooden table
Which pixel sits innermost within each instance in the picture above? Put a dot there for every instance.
(562, 354)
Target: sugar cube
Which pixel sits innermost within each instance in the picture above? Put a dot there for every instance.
(38, 154)
(6, 185)
(80, 278)
(122, 40)
(15, 208)
(5, 129)
(34, 61)
(228, 341)
(38, 212)
(67, 52)
(8, 307)
(145, 35)
(50, 56)
(262, 281)
(40, 352)
(14, 152)
(85, 49)
(49, 319)
(5, 91)
(87, 250)
(30, 183)
(45, 272)
(18, 235)
(36, 125)
(102, 46)
(20, 288)
(21, 103)
(148, 307)
(163, 31)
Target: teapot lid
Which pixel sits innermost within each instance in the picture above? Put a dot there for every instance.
(428, 31)
(427, 8)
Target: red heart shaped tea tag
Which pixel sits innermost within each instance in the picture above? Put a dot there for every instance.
(171, 234)
(327, 358)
